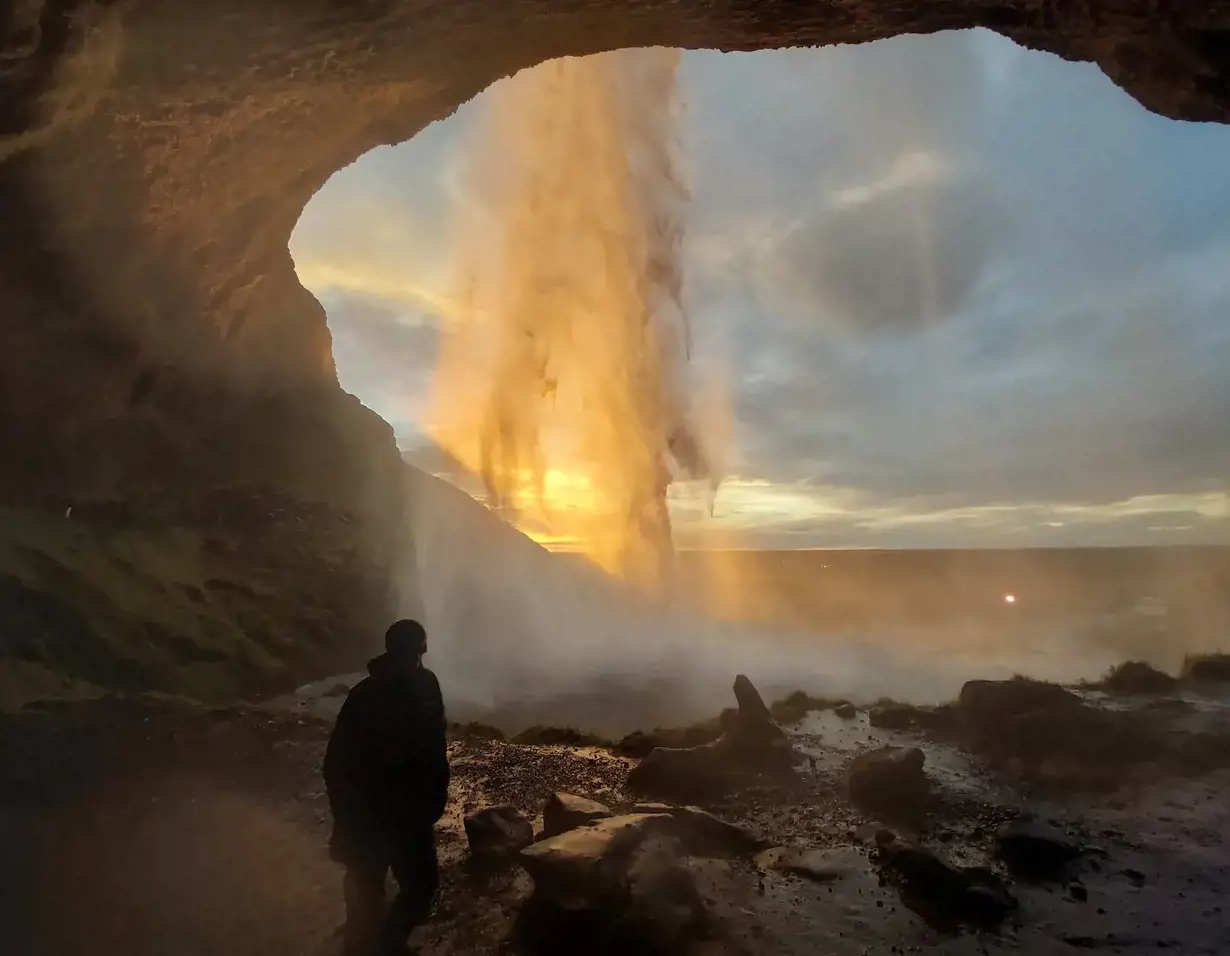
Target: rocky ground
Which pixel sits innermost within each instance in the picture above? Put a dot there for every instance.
(160, 828)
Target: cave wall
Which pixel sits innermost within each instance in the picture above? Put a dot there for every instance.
(155, 343)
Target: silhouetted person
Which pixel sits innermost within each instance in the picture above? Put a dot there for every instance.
(386, 773)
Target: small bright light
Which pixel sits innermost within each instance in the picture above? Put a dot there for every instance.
(1010, 599)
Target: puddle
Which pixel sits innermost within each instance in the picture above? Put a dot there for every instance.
(831, 742)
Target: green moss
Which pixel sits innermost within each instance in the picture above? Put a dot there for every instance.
(211, 610)
(24, 682)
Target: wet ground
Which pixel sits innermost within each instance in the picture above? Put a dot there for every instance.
(182, 834)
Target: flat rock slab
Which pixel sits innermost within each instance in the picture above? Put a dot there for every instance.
(587, 864)
(1036, 850)
(818, 865)
(704, 834)
(565, 811)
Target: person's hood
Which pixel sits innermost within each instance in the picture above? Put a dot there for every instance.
(386, 667)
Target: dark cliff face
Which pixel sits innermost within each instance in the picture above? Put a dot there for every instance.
(155, 343)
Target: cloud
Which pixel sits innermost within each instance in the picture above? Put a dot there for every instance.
(900, 252)
(961, 293)
(383, 355)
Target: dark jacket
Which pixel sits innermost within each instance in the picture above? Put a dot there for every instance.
(386, 767)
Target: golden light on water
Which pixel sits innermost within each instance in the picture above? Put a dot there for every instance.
(560, 377)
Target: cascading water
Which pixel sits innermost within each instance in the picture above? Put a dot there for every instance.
(561, 379)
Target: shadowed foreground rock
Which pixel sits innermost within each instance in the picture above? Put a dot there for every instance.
(617, 882)
(943, 894)
(1036, 850)
(626, 884)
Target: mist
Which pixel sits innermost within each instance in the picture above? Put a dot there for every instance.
(956, 295)
(521, 636)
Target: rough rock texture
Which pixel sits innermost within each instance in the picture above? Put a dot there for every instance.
(705, 833)
(497, 831)
(566, 811)
(1036, 850)
(619, 885)
(987, 702)
(751, 743)
(945, 895)
(818, 865)
(155, 156)
(891, 778)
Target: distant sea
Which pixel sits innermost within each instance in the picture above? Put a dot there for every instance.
(519, 632)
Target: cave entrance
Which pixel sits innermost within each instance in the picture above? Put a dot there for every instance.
(959, 294)
(958, 301)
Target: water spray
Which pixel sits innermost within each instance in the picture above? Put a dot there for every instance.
(561, 377)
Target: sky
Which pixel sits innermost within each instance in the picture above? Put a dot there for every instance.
(959, 294)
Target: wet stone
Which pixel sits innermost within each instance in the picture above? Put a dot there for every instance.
(1036, 850)
(945, 895)
(891, 778)
(892, 717)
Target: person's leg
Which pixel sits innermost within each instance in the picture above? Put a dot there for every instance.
(363, 886)
(417, 873)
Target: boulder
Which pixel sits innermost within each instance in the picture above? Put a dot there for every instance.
(1138, 677)
(1036, 850)
(797, 705)
(684, 771)
(497, 831)
(704, 834)
(565, 811)
(751, 743)
(621, 882)
(845, 710)
(585, 867)
(945, 895)
(664, 906)
(751, 705)
(985, 703)
(1210, 668)
(892, 716)
(891, 778)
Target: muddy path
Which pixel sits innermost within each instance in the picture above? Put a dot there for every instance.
(160, 831)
